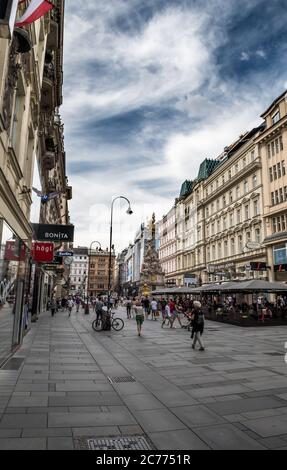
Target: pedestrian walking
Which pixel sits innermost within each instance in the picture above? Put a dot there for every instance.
(146, 306)
(99, 309)
(70, 305)
(153, 305)
(175, 315)
(78, 301)
(197, 325)
(139, 313)
(128, 307)
(166, 315)
(53, 307)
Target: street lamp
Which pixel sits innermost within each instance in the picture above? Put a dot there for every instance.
(87, 311)
(129, 212)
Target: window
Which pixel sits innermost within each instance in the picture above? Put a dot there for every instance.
(276, 117)
(219, 251)
(230, 196)
(225, 248)
(281, 142)
(255, 208)
(232, 245)
(212, 229)
(271, 174)
(244, 162)
(216, 184)
(285, 193)
(277, 145)
(213, 252)
(240, 246)
(274, 172)
(281, 195)
(272, 199)
(212, 208)
(237, 192)
(245, 184)
(276, 197)
(217, 204)
(254, 180)
(246, 209)
(257, 235)
(283, 168)
(218, 226)
(272, 149)
(238, 216)
(248, 236)
(229, 174)
(224, 223)
(279, 224)
(231, 219)
(208, 253)
(279, 170)
(252, 155)
(207, 230)
(223, 179)
(223, 201)
(283, 222)
(207, 212)
(269, 151)
(236, 167)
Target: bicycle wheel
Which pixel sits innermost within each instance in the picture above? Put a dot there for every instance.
(97, 325)
(117, 324)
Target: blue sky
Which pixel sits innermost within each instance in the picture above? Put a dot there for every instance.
(153, 87)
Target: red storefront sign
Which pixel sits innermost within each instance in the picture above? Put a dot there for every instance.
(43, 252)
(12, 251)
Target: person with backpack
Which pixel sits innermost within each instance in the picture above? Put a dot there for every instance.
(129, 307)
(197, 325)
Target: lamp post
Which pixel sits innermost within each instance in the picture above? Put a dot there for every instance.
(87, 311)
(129, 212)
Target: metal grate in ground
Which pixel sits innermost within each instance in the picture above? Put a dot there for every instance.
(128, 378)
(114, 443)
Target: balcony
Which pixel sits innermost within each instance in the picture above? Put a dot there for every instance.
(53, 36)
(69, 192)
(48, 87)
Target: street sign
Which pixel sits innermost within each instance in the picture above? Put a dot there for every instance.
(53, 233)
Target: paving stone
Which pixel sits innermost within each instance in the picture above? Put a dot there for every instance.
(28, 401)
(196, 415)
(23, 421)
(116, 418)
(267, 427)
(83, 386)
(23, 444)
(60, 443)
(158, 420)
(179, 440)
(142, 402)
(108, 399)
(227, 437)
(47, 432)
(244, 405)
(100, 431)
(5, 433)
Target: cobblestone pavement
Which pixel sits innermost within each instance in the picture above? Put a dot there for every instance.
(63, 387)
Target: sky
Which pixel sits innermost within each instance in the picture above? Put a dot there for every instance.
(152, 88)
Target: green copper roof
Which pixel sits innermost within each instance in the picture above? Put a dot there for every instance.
(206, 168)
(186, 188)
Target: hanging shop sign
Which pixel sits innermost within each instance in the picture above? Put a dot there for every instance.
(15, 251)
(8, 11)
(65, 253)
(54, 233)
(43, 252)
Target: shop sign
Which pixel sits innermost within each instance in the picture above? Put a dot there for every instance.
(8, 11)
(43, 252)
(65, 253)
(54, 233)
(12, 249)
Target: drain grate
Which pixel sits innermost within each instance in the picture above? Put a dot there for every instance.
(13, 364)
(128, 378)
(114, 443)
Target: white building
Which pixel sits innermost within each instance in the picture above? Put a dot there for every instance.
(79, 271)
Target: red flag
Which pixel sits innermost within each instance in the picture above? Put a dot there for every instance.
(35, 10)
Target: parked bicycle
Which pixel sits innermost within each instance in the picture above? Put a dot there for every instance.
(107, 321)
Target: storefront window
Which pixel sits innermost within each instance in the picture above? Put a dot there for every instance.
(14, 299)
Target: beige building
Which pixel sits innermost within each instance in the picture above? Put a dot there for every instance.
(231, 221)
(273, 148)
(30, 129)
(98, 272)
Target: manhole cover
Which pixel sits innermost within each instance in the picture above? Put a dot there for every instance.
(128, 378)
(13, 364)
(115, 443)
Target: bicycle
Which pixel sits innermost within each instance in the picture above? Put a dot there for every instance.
(116, 323)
